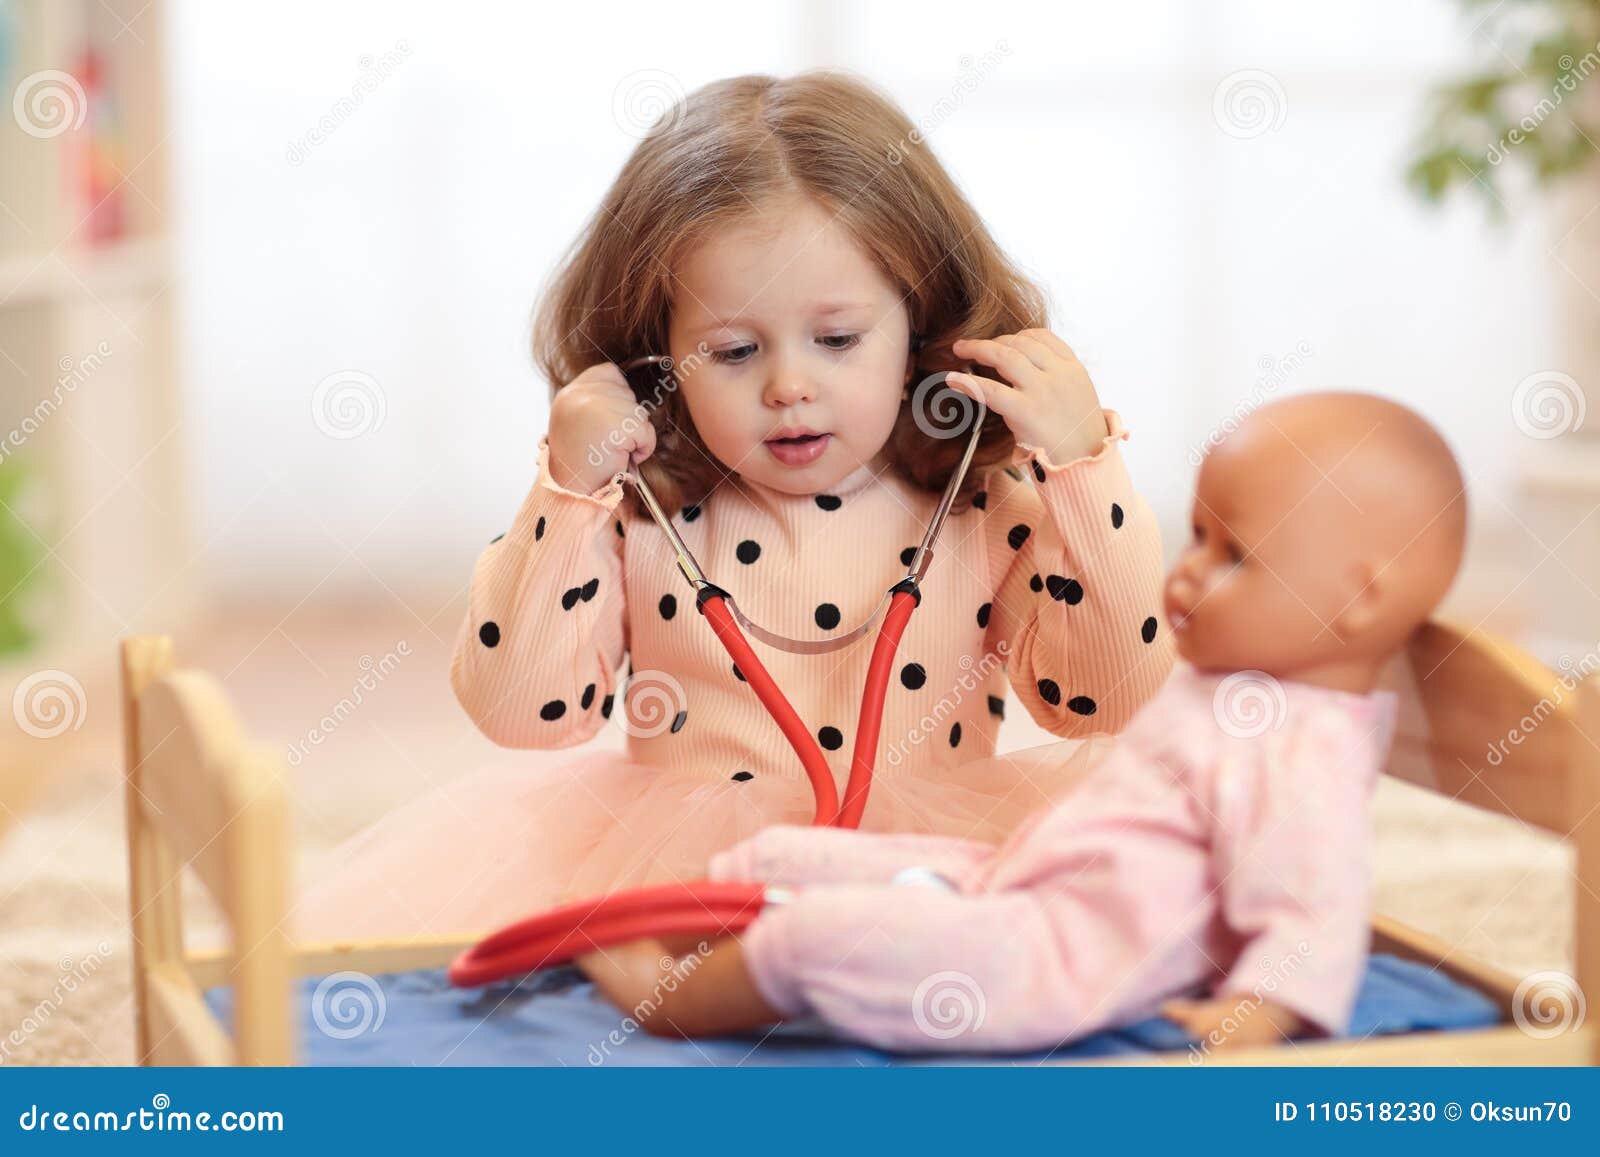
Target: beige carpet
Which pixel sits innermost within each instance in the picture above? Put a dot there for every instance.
(1500, 892)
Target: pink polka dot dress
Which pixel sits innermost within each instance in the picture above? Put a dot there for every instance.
(579, 621)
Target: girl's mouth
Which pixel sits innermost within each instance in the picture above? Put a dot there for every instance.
(798, 451)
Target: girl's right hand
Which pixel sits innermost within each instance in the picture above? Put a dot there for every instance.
(597, 428)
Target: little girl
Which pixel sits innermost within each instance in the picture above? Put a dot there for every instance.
(805, 289)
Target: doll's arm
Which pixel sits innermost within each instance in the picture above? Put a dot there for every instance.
(1075, 559)
(680, 991)
(791, 854)
(546, 627)
(1292, 858)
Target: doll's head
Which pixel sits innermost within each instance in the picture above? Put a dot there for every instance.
(805, 264)
(1327, 527)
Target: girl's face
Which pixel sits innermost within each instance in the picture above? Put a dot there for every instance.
(782, 326)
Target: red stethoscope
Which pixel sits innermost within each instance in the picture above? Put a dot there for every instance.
(707, 907)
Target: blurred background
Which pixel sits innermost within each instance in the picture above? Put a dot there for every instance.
(266, 275)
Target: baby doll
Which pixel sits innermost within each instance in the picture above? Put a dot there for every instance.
(1221, 846)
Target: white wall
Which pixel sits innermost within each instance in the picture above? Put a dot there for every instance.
(410, 244)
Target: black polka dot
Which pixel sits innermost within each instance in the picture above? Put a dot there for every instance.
(1148, 631)
(489, 634)
(913, 676)
(553, 710)
(538, 529)
(748, 551)
(1036, 584)
(738, 674)
(1116, 516)
(1065, 590)
(907, 555)
(668, 606)
(1050, 691)
(1018, 535)
(678, 721)
(496, 539)
(997, 707)
(620, 532)
(983, 614)
(827, 616)
(955, 734)
(741, 776)
(829, 501)
(605, 706)
(1038, 471)
(831, 738)
(588, 697)
(589, 589)
(1081, 705)
(691, 512)
(981, 499)
(569, 598)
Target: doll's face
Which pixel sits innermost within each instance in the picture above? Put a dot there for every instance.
(1270, 568)
(803, 331)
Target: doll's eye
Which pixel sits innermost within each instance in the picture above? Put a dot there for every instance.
(845, 341)
(734, 356)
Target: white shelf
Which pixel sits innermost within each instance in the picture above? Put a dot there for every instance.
(138, 264)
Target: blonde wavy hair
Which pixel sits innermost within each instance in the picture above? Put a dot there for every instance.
(839, 141)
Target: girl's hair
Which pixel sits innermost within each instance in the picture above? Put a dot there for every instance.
(756, 140)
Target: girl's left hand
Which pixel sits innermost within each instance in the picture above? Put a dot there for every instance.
(1046, 399)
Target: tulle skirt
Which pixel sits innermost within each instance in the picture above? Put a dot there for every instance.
(507, 841)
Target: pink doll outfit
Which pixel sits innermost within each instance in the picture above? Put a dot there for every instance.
(1200, 853)
(1050, 583)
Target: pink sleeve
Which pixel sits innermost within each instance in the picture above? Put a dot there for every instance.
(791, 854)
(546, 628)
(918, 969)
(1075, 561)
(1292, 857)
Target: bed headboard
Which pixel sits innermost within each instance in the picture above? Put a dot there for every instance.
(1483, 722)
(198, 796)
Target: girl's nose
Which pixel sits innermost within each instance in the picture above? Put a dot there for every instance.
(789, 385)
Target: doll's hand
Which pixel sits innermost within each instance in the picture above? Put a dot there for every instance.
(1235, 1022)
(699, 987)
(1049, 404)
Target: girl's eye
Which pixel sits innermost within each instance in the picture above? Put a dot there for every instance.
(845, 341)
(733, 357)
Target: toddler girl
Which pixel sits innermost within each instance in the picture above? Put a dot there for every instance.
(806, 290)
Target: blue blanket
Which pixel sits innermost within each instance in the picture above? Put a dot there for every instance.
(556, 1018)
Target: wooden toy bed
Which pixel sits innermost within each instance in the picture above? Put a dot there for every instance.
(200, 797)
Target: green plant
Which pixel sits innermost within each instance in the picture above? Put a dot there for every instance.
(1525, 108)
(20, 553)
